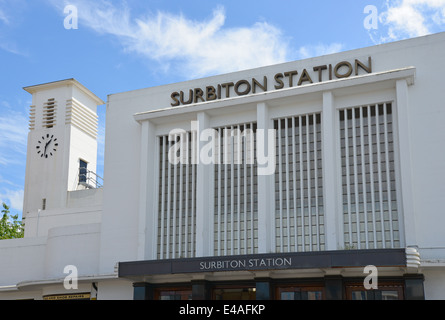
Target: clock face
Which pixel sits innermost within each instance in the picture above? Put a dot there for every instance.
(47, 146)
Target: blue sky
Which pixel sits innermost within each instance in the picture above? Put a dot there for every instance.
(124, 45)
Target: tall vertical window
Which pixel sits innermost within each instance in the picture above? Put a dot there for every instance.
(299, 211)
(82, 171)
(177, 198)
(236, 191)
(369, 197)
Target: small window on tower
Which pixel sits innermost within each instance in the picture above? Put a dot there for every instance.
(83, 171)
(44, 204)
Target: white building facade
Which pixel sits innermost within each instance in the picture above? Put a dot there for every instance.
(282, 182)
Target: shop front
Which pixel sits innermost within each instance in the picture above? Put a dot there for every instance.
(326, 275)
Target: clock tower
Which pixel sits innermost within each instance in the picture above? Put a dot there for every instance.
(62, 143)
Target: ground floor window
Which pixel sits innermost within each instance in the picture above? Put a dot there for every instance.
(173, 294)
(300, 293)
(284, 289)
(234, 293)
(384, 292)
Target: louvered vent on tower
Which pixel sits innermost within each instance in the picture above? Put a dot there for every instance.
(81, 116)
(32, 117)
(49, 113)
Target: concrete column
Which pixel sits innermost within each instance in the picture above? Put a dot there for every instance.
(405, 164)
(204, 196)
(333, 233)
(266, 221)
(147, 226)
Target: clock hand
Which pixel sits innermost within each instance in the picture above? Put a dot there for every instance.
(46, 145)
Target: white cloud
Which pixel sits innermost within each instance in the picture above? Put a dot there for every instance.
(13, 198)
(194, 48)
(13, 145)
(191, 48)
(11, 47)
(11, 15)
(207, 47)
(319, 50)
(412, 18)
(3, 17)
(13, 136)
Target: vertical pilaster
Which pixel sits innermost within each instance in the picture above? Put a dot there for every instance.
(329, 135)
(266, 221)
(406, 163)
(204, 194)
(147, 226)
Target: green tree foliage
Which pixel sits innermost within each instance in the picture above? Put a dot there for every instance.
(10, 228)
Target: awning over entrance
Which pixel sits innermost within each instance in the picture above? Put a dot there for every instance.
(273, 261)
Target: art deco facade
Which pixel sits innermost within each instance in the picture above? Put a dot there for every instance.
(281, 182)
